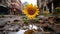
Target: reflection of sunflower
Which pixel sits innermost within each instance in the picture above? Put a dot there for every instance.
(31, 11)
(29, 32)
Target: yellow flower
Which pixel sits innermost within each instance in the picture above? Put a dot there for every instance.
(31, 11)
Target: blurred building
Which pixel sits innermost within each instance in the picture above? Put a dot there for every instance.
(4, 7)
(48, 5)
(53, 4)
(42, 4)
(16, 7)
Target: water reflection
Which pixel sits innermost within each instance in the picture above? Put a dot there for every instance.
(22, 31)
(33, 27)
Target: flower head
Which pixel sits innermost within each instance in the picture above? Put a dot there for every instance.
(31, 11)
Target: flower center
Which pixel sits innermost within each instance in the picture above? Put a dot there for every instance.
(31, 12)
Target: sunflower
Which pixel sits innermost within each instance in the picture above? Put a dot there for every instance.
(31, 11)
